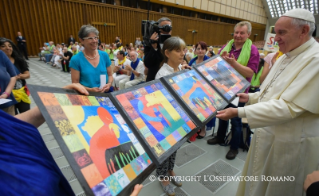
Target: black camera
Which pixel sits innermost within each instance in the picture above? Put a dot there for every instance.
(149, 27)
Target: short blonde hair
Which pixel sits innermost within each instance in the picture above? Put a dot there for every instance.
(243, 23)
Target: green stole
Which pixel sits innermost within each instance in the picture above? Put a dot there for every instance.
(255, 79)
(245, 51)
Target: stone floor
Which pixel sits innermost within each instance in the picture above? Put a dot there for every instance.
(197, 159)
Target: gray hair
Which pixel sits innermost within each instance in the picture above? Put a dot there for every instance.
(85, 30)
(134, 52)
(243, 23)
(300, 23)
(172, 43)
(163, 19)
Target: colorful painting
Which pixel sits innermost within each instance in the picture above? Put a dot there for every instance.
(106, 151)
(225, 78)
(157, 116)
(198, 95)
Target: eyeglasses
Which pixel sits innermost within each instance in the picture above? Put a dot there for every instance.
(92, 38)
(198, 49)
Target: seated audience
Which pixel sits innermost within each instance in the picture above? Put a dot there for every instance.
(81, 48)
(77, 45)
(66, 58)
(209, 50)
(70, 46)
(7, 82)
(119, 71)
(135, 71)
(43, 50)
(50, 51)
(74, 50)
(138, 42)
(210, 54)
(115, 50)
(57, 58)
(190, 54)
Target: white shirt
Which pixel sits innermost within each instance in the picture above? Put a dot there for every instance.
(191, 55)
(140, 69)
(127, 62)
(166, 70)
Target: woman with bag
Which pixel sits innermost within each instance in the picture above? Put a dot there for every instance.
(22, 70)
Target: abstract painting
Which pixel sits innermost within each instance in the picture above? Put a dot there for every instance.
(104, 148)
(225, 78)
(158, 118)
(199, 96)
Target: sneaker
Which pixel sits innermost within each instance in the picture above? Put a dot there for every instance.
(214, 141)
(231, 154)
(168, 189)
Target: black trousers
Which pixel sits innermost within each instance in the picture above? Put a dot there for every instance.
(21, 107)
(65, 66)
(23, 50)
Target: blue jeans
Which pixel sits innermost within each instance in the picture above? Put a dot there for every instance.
(236, 129)
(48, 57)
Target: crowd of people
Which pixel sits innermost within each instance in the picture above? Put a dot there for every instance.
(280, 104)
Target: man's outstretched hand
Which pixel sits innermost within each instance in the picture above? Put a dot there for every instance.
(227, 113)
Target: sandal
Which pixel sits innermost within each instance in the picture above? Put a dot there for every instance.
(199, 136)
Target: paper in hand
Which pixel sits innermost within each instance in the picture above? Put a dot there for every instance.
(102, 81)
(235, 101)
(3, 101)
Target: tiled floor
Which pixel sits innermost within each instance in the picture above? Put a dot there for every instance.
(194, 161)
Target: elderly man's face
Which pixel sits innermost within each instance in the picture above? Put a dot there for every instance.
(287, 35)
(133, 56)
(241, 34)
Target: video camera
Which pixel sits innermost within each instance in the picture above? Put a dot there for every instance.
(149, 27)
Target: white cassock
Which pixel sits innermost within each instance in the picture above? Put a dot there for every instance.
(285, 114)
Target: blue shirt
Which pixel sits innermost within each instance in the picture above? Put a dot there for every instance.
(27, 167)
(193, 61)
(89, 75)
(7, 71)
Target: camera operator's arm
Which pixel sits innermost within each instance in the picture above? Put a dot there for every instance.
(152, 55)
(154, 38)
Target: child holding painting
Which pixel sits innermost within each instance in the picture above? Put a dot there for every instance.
(173, 52)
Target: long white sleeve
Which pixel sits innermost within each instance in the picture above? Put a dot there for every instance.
(272, 112)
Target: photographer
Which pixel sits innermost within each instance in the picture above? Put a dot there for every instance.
(153, 56)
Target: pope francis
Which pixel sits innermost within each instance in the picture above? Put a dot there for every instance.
(285, 113)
